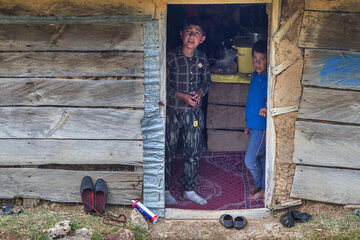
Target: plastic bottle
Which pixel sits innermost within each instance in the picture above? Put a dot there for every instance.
(144, 210)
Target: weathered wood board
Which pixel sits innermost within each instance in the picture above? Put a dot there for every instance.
(71, 92)
(72, 37)
(44, 151)
(330, 31)
(228, 93)
(76, 7)
(334, 69)
(226, 141)
(64, 185)
(341, 186)
(225, 117)
(330, 105)
(65, 123)
(50, 64)
(330, 5)
(329, 145)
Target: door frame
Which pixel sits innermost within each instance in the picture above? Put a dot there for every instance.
(274, 11)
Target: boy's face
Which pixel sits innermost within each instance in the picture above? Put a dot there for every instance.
(192, 36)
(260, 62)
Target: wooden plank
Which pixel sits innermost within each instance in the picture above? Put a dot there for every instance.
(228, 93)
(278, 35)
(274, 20)
(76, 7)
(330, 30)
(341, 186)
(78, 123)
(333, 69)
(41, 152)
(330, 5)
(226, 141)
(64, 185)
(330, 105)
(216, 1)
(225, 117)
(71, 92)
(323, 144)
(72, 37)
(50, 64)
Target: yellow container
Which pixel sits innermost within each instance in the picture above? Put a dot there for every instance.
(244, 59)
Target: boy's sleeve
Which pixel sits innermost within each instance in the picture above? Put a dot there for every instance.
(170, 91)
(206, 80)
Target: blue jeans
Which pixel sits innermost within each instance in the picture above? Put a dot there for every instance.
(255, 157)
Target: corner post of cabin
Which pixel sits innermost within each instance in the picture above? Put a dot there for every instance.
(270, 133)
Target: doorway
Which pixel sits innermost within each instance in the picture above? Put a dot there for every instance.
(231, 29)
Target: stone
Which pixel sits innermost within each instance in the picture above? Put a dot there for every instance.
(60, 230)
(84, 233)
(137, 219)
(30, 202)
(122, 234)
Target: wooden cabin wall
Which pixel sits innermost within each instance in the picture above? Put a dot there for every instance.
(286, 93)
(77, 99)
(327, 129)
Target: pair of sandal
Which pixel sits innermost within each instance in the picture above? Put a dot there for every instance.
(228, 221)
(288, 219)
(93, 197)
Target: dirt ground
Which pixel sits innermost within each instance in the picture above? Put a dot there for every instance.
(268, 228)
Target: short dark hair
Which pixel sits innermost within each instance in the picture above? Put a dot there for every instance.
(193, 21)
(260, 47)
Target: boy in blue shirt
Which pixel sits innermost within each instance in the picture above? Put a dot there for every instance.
(255, 114)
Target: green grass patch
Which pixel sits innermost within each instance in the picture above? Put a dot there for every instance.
(328, 227)
(33, 224)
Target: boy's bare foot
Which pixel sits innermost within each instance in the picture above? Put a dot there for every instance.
(258, 195)
(254, 190)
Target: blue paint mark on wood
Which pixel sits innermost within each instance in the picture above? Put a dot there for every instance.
(343, 70)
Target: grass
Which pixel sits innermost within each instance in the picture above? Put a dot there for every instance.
(328, 227)
(34, 222)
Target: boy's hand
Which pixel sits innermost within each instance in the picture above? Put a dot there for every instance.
(246, 131)
(196, 96)
(188, 99)
(262, 112)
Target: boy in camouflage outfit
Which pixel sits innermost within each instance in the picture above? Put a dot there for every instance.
(188, 80)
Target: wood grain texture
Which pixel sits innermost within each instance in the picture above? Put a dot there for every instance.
(228, 93)
(76, 7)
(331, 185)
(64, 185)
(329, 145)
(50, 64)
(71, 92)
(72, 37)
(225, 117)
(330, 31)
(226, 141)
(333, 69)
(65, 123)
(330, 105)
(330, 5)
(41, 152)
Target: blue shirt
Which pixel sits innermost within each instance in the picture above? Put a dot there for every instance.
(255, 101)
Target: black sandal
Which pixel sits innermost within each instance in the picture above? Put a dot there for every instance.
(287, 219)
(300, 217)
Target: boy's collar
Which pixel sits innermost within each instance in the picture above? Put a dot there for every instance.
(196, 53)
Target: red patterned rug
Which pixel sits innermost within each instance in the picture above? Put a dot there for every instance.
(223, 181)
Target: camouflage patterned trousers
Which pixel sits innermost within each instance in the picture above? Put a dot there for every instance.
(190, 125)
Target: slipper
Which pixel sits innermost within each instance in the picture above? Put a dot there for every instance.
(87, 194)
(101, 192)
(227, 220)
(240, 222)
(8, 210)
(300, 217)
(287, 219)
